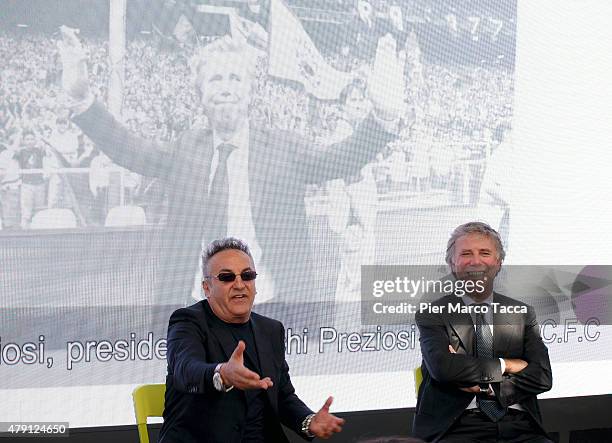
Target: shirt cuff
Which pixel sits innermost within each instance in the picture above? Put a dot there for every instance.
(491, 392)
(503, 365)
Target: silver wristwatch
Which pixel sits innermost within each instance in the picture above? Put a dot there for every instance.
(306, 426)
(218, 381)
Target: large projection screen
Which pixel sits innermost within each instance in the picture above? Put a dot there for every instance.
(505, 116)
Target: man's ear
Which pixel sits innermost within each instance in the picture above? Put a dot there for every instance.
(206, 287)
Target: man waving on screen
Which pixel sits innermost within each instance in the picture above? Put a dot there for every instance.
(234, 177)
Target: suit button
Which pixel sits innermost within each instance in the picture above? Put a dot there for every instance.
(236, 427)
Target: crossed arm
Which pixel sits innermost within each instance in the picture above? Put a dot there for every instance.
(536, 377)
(527, 376)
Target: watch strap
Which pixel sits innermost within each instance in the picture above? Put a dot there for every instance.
(306, 426)
(224, 387)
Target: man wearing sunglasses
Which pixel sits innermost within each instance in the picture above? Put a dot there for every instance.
(228, 379)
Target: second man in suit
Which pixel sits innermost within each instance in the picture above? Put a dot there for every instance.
(484, 361)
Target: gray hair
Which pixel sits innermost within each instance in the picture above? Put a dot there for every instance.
(474, 228)
(219, 245)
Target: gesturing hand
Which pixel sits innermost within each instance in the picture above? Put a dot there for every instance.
(324, 424)
(234, 373)
(386, 81)
(74, 64)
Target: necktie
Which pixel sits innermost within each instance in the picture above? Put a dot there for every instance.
(219, 194)
(484, 349)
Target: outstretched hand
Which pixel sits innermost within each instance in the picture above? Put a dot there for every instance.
(386, 81)
(234, 373)
(75, 81)
(324, 424)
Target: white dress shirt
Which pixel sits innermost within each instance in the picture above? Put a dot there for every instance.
(239, 216)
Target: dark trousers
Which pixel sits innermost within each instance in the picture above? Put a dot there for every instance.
(474, 426)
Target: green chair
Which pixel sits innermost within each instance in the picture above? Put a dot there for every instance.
(148, 402)
(418, 379)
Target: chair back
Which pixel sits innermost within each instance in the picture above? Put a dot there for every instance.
(54, 218)
(148, 402)
(418, 379)
(125, 216)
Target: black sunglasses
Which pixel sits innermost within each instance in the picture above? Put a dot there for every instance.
(227, 277)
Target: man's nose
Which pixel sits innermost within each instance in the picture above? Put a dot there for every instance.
(475, 260)
(239, 282)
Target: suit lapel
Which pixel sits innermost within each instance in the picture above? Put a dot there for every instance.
(258, 163)
(463, 326)
(208, 153)
(225, 339)
(195, 172)
(199, 150)
(222, 334)
(503, 329)
(202, 162)
(261, 172)
(264, 349)
(266, 359)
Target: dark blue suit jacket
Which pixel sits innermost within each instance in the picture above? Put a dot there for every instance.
(194, 410)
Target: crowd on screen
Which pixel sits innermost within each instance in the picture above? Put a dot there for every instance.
(451, 117)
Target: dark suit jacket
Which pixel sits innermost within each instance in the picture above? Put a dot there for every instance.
(440, 401)
(194, 410)
(281, 163)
